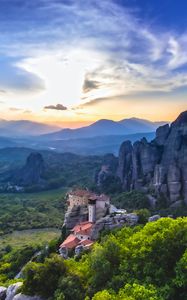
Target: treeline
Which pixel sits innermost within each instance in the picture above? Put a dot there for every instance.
(140, 263)
(30, 211)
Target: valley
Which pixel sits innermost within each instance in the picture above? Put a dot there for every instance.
(35, 188)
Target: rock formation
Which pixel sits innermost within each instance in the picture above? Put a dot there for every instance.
(12, 290)
(10, 293)
(3, 292)
(75, 216)
(31, 172)
(25, 297)
(159, 166)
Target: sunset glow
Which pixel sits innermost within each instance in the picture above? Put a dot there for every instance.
(95, 59)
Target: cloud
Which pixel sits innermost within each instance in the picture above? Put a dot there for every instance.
(27, 111)
(15, 109)
(90, 85)
(56, 107)
(14, 78)
(2, 92)
(135, 56)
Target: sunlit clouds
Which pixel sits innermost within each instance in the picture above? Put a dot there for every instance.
(77, 61)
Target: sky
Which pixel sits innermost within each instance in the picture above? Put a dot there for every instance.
(72, 62)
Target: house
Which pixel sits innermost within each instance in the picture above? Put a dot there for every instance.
(97, 204)
(79, 239)
(78, 197)
(100, 214)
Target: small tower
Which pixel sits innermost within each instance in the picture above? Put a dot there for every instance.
(92, 210)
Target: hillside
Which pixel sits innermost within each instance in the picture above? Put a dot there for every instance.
(115, 269)
(24, 128)
(105, 128)
(58, 169)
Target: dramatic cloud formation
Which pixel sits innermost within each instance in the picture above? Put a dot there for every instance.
(15, 78)
(88, 53)
(56, 107)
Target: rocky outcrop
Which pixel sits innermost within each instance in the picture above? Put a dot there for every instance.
(108, 169)
(75, 215)
(160, 165)
(31, 173)
(12, 290)
(25, 297)
(10, 293)
(2, 292)
(110, 222)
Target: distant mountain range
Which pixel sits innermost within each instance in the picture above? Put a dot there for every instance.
(98, 145)
(103, 136)
(105, 127)
(24, 128)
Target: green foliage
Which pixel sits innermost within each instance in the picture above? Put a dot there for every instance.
(42, 278)
(130, 292)
(69, 287)
(12, 261)
(131, 200)
(61, 169)
(28, 211)
(111, 185)
(137, 263)
(180, 282)
(143, 215)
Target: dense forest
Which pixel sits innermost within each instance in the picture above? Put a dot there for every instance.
(139, 263)
(30, 211)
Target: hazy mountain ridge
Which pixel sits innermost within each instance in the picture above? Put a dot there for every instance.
(106, 127)
(24, 128)
(97, 145)
(103, 136)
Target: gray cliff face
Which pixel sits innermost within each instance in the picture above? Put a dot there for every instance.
(11, 293)
(160, 165)
(31, 173)
(75, 216)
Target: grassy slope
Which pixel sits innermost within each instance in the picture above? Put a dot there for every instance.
(29, 211)
(28, 237)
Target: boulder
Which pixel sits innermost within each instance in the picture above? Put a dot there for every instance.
(3, 292)
(25, 297)
(12, 290)
(154, 218)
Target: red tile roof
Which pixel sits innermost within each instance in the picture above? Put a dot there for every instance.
(90, 195)
(81, 193)
(83, 228)
(86, 242)
(70, 242)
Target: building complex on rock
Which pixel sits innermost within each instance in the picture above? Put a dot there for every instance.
(88, 214)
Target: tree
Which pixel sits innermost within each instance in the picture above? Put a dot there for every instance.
(42, 278)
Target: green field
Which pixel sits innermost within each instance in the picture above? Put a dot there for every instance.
(32, 210)
(29, 237)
